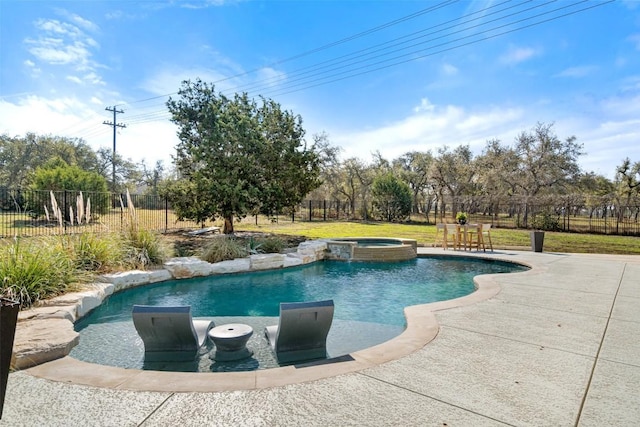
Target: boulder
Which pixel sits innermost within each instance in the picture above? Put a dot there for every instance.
(40, 341)
(267, 261)
(292, 260)
(312, 250)
(187, 267)
(238, 265)
(127, 279)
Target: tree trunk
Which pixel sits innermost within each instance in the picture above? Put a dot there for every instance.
(228, 225)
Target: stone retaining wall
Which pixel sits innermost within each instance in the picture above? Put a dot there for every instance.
(46, 333)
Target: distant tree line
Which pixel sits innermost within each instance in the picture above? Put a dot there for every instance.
(537, 166)
(238, 157)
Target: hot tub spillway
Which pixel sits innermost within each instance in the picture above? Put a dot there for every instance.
(372, 249)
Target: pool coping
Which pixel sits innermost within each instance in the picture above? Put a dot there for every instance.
(422, 328)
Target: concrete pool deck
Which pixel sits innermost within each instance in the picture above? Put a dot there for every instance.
(557, 345)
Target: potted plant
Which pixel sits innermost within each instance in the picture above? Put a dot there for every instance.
(461, 218)
(8, 319)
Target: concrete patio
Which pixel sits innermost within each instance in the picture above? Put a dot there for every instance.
(557, 345)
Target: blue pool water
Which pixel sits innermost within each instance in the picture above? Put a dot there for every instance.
(369, 300)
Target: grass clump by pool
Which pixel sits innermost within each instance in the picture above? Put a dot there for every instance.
(33, 269)
(224, 248)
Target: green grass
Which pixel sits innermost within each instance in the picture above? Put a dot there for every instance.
(425, 235)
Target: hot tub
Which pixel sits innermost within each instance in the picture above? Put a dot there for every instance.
(371, 249)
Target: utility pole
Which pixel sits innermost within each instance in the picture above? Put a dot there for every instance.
(115, 127)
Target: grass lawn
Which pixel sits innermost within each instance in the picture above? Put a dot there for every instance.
(425, 234)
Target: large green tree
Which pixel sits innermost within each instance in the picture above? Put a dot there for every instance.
(453, 173)
(237, 156)
(547, 164)
(21, 156)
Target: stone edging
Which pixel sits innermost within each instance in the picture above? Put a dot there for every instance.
(422, 328)
(45, 333)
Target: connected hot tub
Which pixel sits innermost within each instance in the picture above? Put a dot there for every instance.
(371, 249)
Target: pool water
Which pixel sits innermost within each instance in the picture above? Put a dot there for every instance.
(369, 301)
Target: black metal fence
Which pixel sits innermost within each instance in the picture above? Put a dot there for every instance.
(30, 213)
(33, 213)
(559, 215)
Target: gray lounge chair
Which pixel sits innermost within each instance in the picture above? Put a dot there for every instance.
(169, 333)
(301, 332)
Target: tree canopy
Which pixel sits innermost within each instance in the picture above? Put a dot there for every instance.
(391, 198)
(237, 156)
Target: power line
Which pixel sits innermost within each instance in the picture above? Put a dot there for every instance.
(378, 57)
(326, 46)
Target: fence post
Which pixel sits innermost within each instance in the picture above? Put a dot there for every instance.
(324, 203)
(310, 210)
(166, 214)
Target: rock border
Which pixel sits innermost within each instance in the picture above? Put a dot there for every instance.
(45, 332)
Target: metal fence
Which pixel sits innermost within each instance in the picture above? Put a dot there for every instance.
(542, 214)
(31, 213)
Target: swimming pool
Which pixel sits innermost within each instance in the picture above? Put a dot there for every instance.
(369, 300)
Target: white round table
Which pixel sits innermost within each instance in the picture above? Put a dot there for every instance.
(231, 341)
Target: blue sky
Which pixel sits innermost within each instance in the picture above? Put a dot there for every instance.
(387, 76)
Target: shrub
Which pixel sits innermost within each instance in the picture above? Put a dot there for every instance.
(223, 248)
(391, 198)
(546, 221)
(144, 248)
(99, 254)
(271, 245)
(35, 270)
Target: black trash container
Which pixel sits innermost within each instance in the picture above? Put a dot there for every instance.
(8, 319)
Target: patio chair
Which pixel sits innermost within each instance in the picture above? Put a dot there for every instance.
(486, 235)
(169, 333)
(451, 234)
(301, 332)
(439, 238)
(474, 236)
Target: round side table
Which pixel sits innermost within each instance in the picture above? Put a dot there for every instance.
(231, 341)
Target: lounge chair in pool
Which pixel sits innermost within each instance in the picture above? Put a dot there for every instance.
(169, 333)
(301, 332)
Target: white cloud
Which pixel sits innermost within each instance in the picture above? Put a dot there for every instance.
(74, 79)
(577, 72)
(609, 134)
(449, 70)
(56, 52)
(431, 127)
(425, 105)
(271, 77)
(72, 118)
(84, 23)
(93, 78)
(65, 44)
(516, 55)
(56, 27)
(606, 143)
